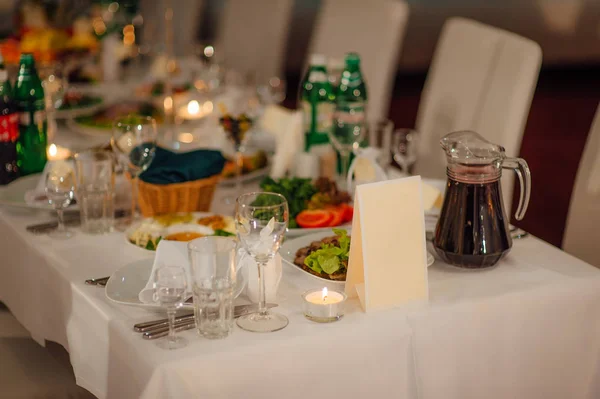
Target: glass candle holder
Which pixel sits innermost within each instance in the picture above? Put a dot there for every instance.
(323, 306)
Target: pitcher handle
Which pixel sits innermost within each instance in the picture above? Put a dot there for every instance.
(521, 168)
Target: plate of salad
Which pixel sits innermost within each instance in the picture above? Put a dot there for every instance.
(76, 103)
(314, 206)
(324, 255)
(101, 121)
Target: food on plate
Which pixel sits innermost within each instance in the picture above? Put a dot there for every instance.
(75, 99)
(174, 218)
(179, 227)
(250, 164)
(104, 118)
(327, 258)
(184, 236)
(217, 222)
(157, 89)
(311, 205)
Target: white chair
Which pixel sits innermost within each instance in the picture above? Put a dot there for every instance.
(286, 127)
(583, 220)
(186, 20)
(253, 35)
(373, 29)
(481, 78)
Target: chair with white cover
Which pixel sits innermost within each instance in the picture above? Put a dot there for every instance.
(286, 127)
(583, 219)
(373, 29)
(481, 78)
(186, 20)
(253, 35)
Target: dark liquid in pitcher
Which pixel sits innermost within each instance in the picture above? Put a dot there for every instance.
(472, 231)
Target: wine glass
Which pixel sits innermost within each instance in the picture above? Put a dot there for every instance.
(261, 219)
(271, 91)
(236, 130)
(346, 133)
(404, 148)
(60, 189)
(170, 285)
(134, 141)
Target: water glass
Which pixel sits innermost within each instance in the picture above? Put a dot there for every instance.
(134, 142)
(170, 285)
(380, 136)
(214, 284)
(261, 220)
(95, 191)
(404, 148)
(347, 132)
(60, 188)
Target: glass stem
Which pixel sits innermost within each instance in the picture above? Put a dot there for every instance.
(134, 196)
(345, 160)
(262, 307)
(239, 164)
(61, 220)
(171, 317)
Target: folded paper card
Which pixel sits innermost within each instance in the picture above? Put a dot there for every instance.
(388, 257)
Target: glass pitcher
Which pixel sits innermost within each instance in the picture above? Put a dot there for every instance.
(473, 230)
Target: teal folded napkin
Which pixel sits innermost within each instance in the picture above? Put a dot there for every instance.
(169, 167)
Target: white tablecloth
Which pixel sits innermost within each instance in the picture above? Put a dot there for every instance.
(527, 329)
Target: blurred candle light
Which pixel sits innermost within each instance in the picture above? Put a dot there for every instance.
(57, 153)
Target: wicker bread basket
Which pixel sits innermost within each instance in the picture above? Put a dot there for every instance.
(192, 196)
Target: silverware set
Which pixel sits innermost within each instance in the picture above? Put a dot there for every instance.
(72, 219)
(160, 328)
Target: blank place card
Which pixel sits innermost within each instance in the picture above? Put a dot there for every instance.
(388, 255)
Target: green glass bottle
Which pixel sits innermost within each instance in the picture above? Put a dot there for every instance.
(317, 98)
(33, 127)
(350, 114)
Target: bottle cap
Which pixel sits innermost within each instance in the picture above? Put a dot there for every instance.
(27, 59)
(352, 59)
(317, 59)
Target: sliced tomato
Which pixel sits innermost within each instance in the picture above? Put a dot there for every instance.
(337, 215)
(348, 212)
(312, 218)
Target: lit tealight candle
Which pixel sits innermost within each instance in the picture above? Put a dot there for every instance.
(324, 306)
(194, 110)
(57, 153)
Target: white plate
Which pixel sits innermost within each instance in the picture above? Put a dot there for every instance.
(248, 177)
(88, 130)
(13, 194)
(304, 231)
(131, 229)
(79, 111)
(290, 247)
(126, 283)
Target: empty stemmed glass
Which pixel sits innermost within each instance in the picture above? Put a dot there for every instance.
(346, 134)
(404, 148)
(236, 129)
(261, 220)
(271, 91)
(170, 284)
(134, 141)
(60, 189)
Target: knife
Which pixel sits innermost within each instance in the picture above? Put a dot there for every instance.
(72, 220)
(187, 322)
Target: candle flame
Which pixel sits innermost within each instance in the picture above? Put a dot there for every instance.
(324, 293)
(193, 107)
(52, 150)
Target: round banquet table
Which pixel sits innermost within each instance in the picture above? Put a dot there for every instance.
(528, 328)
